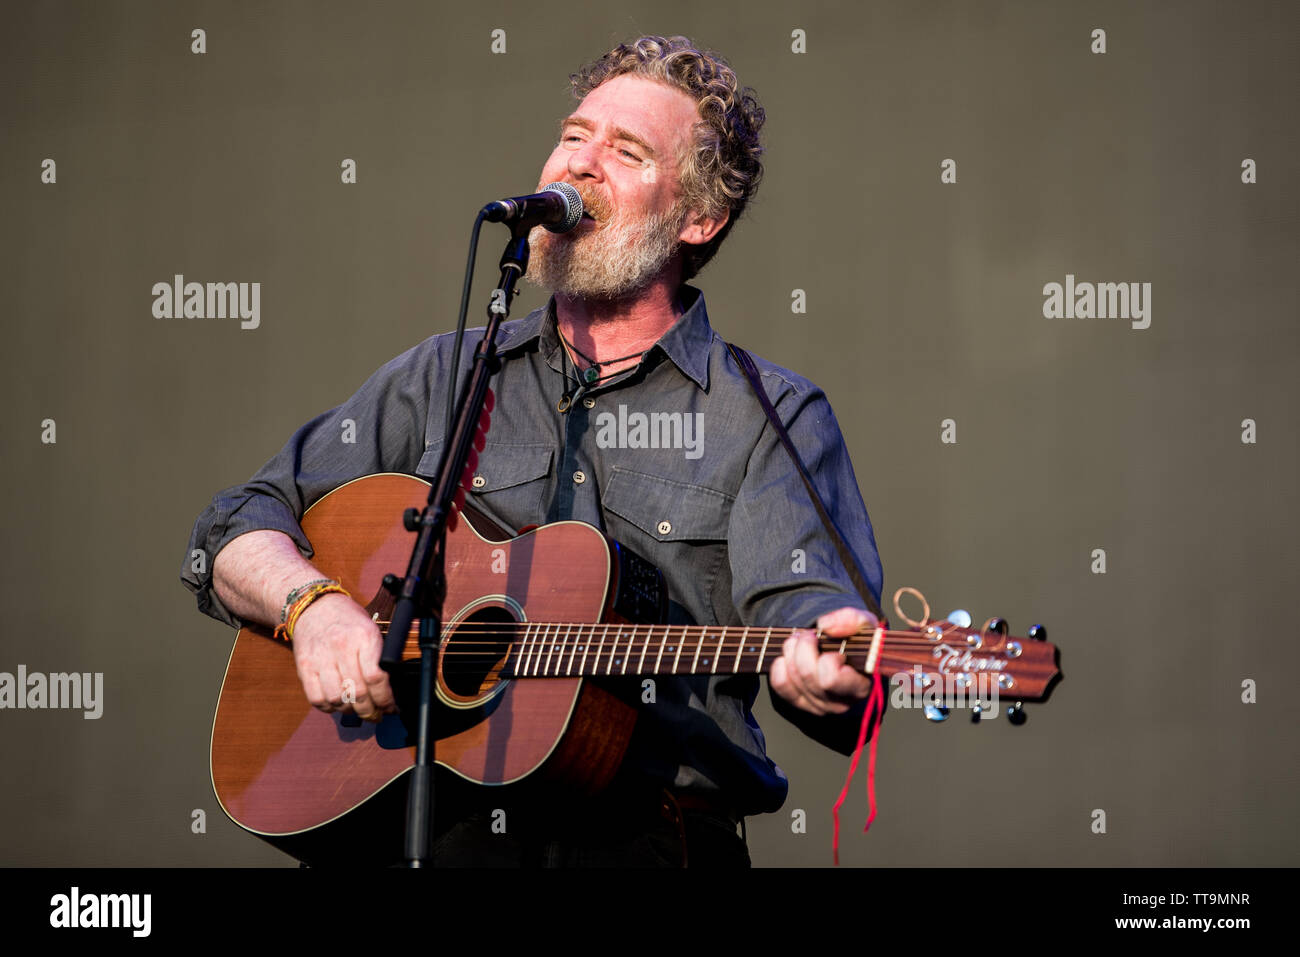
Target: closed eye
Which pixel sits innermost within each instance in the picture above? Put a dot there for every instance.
(574, 138)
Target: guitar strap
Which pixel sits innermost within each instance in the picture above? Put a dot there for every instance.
(846, 555)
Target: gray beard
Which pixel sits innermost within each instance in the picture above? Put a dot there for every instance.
(609, 263)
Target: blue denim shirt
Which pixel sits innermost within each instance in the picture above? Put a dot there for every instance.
(715, 503)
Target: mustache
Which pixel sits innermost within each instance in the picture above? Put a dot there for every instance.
(599, 208)
(595, 205)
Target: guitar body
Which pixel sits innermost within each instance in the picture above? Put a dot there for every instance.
(288, 772)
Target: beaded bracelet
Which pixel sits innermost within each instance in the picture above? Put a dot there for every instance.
(327, 586)
(293, 595)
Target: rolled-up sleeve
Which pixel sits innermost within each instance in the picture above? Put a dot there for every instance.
(381, 428)
(786, 570)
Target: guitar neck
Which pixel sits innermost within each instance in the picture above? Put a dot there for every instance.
(965, 656)
(564, 650)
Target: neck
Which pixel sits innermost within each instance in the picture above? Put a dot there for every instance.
(608, 328)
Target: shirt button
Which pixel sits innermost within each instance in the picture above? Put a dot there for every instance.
(479, 481)
(579, 477)
(665, 528)
(588, 403)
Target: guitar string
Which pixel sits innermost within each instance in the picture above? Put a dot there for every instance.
(598, 656)
(549, 647)
(730, 639)
(706, 630)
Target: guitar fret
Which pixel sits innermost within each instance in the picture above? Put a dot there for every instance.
(603, 635)
(550, 651)
(609, 668)
(677, 657)
(722, 634)
(645, 646)
(662, 641)
(564, 644)
(698, 645)
(736, 664)
(560, 657)
(574, 651)
(627, 655)
(524, 670)
(582, 665)
(763, 653)
(522, 644)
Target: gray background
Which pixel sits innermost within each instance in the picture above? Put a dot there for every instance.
(1072, 434)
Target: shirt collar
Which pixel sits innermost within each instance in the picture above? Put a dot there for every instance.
(687, 343)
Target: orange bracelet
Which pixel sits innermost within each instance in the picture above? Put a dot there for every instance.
(285, 631)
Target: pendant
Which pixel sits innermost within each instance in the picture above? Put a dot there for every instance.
(592, 374)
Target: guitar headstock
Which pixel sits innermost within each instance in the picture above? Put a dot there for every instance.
(941, 665)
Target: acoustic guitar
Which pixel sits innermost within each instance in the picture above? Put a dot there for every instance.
(527, 619)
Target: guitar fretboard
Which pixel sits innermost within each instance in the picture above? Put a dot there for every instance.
(579, 650)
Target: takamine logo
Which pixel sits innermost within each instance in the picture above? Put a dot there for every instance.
(960, 659)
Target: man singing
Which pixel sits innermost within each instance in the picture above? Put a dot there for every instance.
(663, 147)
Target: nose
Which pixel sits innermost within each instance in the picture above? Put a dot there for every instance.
(583, 162)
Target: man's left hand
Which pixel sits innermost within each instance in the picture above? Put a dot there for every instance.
(816, 681)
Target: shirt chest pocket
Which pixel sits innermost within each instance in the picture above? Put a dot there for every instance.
(508, 482)
(668, 510)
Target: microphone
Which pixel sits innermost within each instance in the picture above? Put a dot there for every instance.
(558, 207)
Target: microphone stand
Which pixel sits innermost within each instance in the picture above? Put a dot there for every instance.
(422, 592)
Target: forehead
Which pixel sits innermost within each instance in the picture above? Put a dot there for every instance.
(659, 113)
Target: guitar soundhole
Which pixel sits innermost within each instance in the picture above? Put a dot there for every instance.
(476, 650)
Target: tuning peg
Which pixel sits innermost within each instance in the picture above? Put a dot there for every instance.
(936, 712)
(960, 617)
(976, 712)
(1038, 633)
(1016, 714)
(411, 519)
(999, 625)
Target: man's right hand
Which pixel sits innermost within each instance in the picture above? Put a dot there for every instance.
(336, 647)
